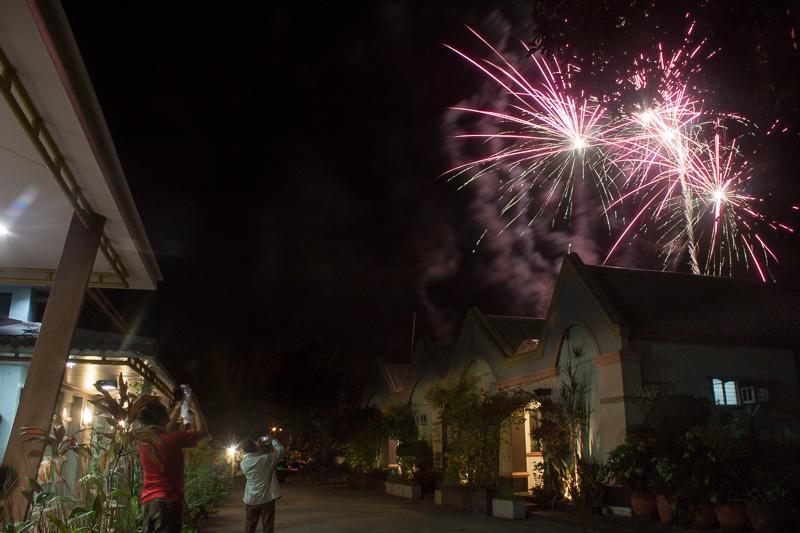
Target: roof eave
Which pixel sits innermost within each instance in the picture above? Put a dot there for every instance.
(63, 50)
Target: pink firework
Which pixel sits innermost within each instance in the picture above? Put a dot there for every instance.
(689, 187)
(548, 137)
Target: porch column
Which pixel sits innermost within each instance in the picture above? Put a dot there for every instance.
(619, 377)
(513, 461)
(49, 359)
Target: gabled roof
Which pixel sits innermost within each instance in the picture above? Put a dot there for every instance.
(505, 332)
(700, 308)
(402, 376)
(396, 375)
(516, 329)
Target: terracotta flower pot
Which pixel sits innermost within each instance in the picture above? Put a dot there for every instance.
(664, 507)
(731, 515)
(761, 516)
(643, 504)
(704, 515)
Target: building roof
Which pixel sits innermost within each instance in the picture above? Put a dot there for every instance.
(701, 308)
(516, 329)
(57, 157)
(20, 337)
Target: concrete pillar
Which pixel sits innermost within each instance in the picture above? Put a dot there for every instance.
(619, 376)
(513, 460)
(49, 360)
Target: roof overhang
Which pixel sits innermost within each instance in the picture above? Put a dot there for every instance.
(57, 157)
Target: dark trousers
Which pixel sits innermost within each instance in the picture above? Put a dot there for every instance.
(264, 512)
(162, 516)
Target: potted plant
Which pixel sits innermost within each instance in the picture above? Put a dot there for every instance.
(630, 465)
(697, 479)
(767, 499)
(664, 487)
(729, 506)
(506, 504)
(591, 486)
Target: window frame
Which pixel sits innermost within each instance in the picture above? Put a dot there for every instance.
(726, 386)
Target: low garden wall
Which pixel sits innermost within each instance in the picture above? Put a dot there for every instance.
(468, 499)
(412, 492)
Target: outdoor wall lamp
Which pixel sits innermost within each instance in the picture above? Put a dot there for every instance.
(86, 417)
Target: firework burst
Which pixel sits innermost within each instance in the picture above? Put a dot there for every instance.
(666, 159)
(547, 139)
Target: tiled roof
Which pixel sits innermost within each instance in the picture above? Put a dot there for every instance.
(700, 307)
(20, 337)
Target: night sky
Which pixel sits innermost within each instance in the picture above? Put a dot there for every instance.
(286, 161)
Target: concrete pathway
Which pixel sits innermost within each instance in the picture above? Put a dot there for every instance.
(307, 508)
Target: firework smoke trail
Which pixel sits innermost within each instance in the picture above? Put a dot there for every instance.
(689, 189)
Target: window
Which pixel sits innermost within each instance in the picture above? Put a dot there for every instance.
(422, 420)
(5, 304)
(747, 394)
(724, 392)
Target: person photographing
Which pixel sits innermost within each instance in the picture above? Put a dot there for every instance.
(162, 462)
(262, 488)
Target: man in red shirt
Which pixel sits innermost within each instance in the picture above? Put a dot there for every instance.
(162, 465)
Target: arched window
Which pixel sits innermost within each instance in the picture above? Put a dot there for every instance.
(578, 346)
(482, 371)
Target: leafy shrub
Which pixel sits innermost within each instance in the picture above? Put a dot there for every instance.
(471, 427)
(206, 478)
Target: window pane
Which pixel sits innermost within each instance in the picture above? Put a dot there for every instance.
(719, 392)
(730, 393)
(5, 304)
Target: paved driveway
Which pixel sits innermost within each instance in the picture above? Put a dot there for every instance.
(306, 508)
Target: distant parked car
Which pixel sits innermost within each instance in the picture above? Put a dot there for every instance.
(295, 466)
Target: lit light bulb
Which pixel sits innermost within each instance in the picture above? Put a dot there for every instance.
(86, 417)
(231, 451)
(70, 364)
(4, 230)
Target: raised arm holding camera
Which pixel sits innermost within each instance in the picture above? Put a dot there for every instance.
(262, 490)
(162, 463)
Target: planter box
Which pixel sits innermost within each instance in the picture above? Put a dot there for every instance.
(412, 492)
(511, 509)
(437, 496)
(468, 499)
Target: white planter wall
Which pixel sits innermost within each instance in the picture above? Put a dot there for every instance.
(511, 509)
(412, 492)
